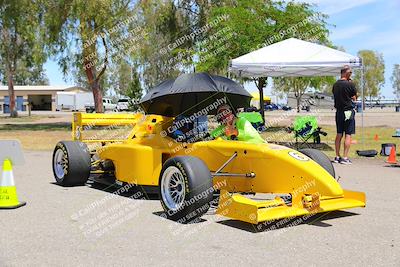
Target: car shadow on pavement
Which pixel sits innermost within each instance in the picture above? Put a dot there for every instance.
(139, 192)
(393, 166)
(136, 192)
(282, 224)
(163, 215)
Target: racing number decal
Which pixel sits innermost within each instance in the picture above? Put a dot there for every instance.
(298, 156)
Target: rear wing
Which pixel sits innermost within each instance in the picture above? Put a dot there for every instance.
(86, 121)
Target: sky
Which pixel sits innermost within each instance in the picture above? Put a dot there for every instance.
(366, 24)
(354, 25)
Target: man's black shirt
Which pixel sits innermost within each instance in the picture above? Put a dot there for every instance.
(343, 91)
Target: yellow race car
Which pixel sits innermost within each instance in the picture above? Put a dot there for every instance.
(188, 175)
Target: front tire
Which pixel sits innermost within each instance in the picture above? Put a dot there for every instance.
(320, 158)
(185, 188)
(71, 163)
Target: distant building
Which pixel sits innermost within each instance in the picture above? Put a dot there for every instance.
(41, 97)
(319, 100)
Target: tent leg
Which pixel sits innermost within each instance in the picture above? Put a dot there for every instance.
(262, 104)
(362, 105)
(261, 84)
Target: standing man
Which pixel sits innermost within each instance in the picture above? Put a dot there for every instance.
(344, 92)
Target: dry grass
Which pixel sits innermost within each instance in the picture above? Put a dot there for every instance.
(384, 136)
(21, 118)
(37, 140)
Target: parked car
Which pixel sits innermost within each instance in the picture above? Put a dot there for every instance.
(251, 109)
(123, 104)
(271, 107)
(107, 105)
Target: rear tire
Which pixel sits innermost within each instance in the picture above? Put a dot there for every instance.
(185, 188)
(320, 158)
(71, 163)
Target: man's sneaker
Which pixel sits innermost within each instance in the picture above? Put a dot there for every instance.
(337, 159)
(346, 161)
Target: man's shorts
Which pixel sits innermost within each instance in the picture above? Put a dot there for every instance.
(343, 125)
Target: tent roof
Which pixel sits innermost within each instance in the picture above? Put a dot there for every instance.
(293, 58)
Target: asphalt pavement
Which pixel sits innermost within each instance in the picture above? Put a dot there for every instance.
(90, 226)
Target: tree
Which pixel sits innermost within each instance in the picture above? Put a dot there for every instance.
(298, 86)
(85, 35)
(173, 32)
(134, 90)
(395, 79)
(20, 46)
(258, 23)
(123, 76)
(166, 26)
(374, 73)
(125, 81)
(24, 75)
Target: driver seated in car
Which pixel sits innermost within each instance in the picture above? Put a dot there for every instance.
(234, 128)
(182, 128)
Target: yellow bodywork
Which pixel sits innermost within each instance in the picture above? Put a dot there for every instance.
(277, 169)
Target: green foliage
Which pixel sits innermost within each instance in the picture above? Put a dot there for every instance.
(85, 36)
(374, 73)
(253, 24)
(174, 31)
(134, 91)
(258, 23)
(21, 49)
(171, 36)
(159, 55)
(395, 79)
(300, 21)
(125, 81)
(247, 21)
(20, 42)
(122, 76)
(24, 75)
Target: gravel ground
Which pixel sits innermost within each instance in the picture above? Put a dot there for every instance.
(85, 226)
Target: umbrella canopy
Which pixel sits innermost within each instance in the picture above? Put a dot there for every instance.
(293, 58)
(194, 92)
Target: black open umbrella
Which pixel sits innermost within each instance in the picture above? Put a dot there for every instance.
(194, 92)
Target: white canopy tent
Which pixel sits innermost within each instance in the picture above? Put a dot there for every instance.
(294, 58)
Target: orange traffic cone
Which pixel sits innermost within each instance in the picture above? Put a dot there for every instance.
(8, 192)
(376, 137)
(392, 156)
